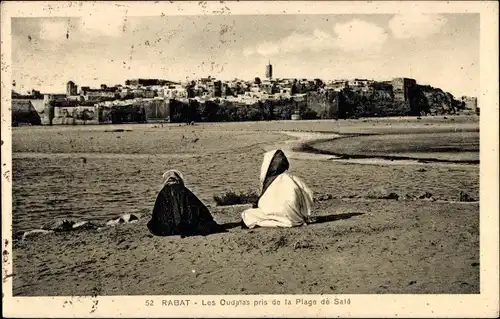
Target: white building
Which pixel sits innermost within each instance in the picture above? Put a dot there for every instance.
(175, 92)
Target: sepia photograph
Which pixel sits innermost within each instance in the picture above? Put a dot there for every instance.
(251, 150)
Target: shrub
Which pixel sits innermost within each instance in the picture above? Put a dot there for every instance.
(464, 197)
(233, 198)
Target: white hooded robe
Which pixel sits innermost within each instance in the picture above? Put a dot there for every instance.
(287, 202)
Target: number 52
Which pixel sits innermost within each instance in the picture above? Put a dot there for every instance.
(149, 303)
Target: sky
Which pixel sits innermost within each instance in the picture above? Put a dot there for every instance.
(441, 50)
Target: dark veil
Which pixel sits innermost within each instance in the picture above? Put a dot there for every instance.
(278, 165)
(177, 211)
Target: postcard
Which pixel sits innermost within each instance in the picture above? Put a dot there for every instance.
(250, 159)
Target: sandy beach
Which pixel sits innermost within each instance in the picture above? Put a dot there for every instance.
(426, 240)
(390, 247)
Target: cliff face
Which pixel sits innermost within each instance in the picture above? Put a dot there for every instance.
(326, 105)
(23, 112)
(439, 102)
(421, 100)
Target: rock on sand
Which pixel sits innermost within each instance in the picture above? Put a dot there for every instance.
(35, 233)
(124, 219)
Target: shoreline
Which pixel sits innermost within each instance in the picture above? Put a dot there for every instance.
(302, 147)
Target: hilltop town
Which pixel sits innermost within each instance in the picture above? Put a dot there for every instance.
(210, 99)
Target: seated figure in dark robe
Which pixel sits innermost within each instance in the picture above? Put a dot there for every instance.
(177, 211)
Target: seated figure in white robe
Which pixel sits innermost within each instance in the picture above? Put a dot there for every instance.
(285, 200)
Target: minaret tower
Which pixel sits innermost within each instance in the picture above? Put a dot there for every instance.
(269, 71)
